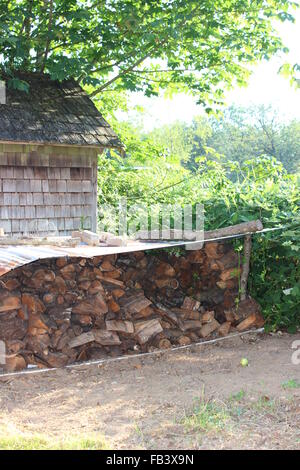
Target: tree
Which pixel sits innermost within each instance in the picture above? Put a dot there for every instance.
(241, 134)
(176, 139)
(200, 46)
(245, 133)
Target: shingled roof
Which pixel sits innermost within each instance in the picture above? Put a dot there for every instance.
(53, 112)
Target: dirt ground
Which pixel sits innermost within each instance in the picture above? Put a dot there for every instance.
(150, 402)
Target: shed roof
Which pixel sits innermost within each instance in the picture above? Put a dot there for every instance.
(53, 112)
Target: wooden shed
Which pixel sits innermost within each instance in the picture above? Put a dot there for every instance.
(50, 138)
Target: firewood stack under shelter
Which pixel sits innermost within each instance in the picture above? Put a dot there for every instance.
(65, 294)
(58, 311)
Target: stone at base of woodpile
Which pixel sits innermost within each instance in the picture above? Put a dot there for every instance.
(59, 311)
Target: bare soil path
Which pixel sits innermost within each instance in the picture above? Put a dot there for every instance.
(150, 402)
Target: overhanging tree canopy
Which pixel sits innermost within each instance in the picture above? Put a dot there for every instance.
(141, 45)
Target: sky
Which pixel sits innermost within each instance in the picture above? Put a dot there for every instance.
(265, 87)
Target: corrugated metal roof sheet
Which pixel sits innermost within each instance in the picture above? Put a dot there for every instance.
(12, 257)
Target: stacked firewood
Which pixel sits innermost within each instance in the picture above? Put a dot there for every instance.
(58, 311)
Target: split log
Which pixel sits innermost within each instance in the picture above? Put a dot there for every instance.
(229, 299)
(113, 306)
(39, 343)
(194, 257)
(106, 266)
(185, 278)
(42, 276)
(191, 325)
(115, 274)
(49, 298)
(247, 307)
(14, 346)
(95, 288)
(61, 262)
(230, 316)
(85, 285)
(10, 303)
(82, 339)
(183, 263)
(57, 359)
(190, 304)
(184, 341)
(172, 283)
(35, 322)
(147, 329)
(169, 314)
(59, 285)
(33, 304)
(187, 314)
(12, 284)
(165, 270)
(85, 236)
(110, 280)
(119, 325)
(208, 316)
(82, 320)
(229, 284)
(96, 260)
(224, 329)
(164, 344)
(135, 303)
(253, 320)
(95, 305)
(193, 336)
(14, 364)
(209, 328)
(213, 250)
(13, 328)
(60, 341)
(106, 338)
(68, 272)
(117, 293)
(230, 274)
(111, 239)
(145, 312)
(229, 260)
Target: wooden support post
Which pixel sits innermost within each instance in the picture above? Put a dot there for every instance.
(246, 266)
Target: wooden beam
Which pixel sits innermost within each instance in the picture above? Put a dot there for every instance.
(238, 229)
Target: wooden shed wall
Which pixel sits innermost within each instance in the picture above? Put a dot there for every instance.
(47, 187)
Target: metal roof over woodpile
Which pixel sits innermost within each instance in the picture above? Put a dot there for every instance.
(12, 257)
(53, 112)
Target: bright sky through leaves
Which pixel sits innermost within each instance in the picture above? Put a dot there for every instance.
(265, 87)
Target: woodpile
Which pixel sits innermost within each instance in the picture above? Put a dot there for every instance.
(58, 311)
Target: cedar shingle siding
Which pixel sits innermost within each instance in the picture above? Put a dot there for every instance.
(56, 198)
(49, 142)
